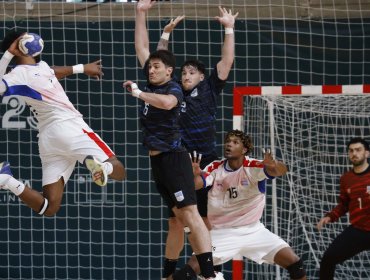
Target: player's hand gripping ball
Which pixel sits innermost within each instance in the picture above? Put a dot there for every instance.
(31, 44)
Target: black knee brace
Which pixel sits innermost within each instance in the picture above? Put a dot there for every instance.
(296, 270)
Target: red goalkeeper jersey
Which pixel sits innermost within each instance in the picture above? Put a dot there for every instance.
(355, 198)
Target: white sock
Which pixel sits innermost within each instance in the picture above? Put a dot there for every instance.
(108, 167)
(15, 186)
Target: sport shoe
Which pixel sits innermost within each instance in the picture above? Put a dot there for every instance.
(219, 276)
(5, 174)
(97, 170)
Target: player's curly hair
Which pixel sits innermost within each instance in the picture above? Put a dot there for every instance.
(246, 139)
(359, 140)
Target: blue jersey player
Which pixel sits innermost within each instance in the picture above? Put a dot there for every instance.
(159, 117)
(198, 119)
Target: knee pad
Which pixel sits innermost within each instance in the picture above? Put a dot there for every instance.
(296, 270)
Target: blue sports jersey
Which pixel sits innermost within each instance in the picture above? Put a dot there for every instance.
(160, 127)
(198, 115)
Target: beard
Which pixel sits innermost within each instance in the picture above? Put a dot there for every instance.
(358, 162)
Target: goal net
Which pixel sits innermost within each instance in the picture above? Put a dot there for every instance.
(119, 232)
(308, 133)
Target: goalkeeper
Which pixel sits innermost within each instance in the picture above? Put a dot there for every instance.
(64, 138)
(354, 198)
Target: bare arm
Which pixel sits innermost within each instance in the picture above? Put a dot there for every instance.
(93, 69)
(227, 19)
(141, 32)
(161, 101)
(163, 42)
(5, 60)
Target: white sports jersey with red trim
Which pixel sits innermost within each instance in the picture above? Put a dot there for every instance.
(236, 197)
(37, 85)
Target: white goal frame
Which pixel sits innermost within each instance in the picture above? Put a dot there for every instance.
(239, 123)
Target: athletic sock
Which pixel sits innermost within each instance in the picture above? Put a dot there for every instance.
(185, 273)
(108, 167)
(169, 267)
(217, 268)
(205, 261)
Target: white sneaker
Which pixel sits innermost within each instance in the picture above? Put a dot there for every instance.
(98, 173)
(219, 276)
(5, 174)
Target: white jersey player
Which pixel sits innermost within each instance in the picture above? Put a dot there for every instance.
(64, 137)
(236, 200)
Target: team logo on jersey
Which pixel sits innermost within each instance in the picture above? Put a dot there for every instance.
(244, 182)
(179, 196)
(368, 189)
(194, 93)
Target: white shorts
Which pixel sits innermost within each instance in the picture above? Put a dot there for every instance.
(63, 143)
(254, 242)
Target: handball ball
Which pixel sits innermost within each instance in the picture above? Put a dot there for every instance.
(31, 44)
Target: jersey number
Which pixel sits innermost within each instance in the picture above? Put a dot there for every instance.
(233, 192)
(18, 106)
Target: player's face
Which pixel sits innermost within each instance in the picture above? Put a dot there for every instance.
(357, 154)
(234, 148)
(159, 73)
(190, 77)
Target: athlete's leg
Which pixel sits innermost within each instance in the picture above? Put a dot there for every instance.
(286, 258)
(46, 204)
(346, 245)
(174, 245)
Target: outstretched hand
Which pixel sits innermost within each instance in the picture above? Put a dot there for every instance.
(268, 159)
(226, 18)
(144, 5)
(172, 24)
(94, 69)
(323, 222)
(195, 162)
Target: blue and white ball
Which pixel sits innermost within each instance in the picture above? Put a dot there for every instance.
(31, 44)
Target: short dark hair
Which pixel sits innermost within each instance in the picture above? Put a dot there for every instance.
(246, 139)
(199, 65)
(359, 140)
(10, 38)
(166, 57)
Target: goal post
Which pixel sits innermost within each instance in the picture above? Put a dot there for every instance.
(308, 128)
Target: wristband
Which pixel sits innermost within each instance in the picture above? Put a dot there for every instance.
(77, 69)
(8, 55)
(229, 30)
(135, 91)
(165, 36)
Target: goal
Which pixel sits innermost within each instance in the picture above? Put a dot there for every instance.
(308, 128)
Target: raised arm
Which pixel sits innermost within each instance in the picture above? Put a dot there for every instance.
(5, 60)
(141, 32)
(163, 42)
(227, 19)
(93, 69)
